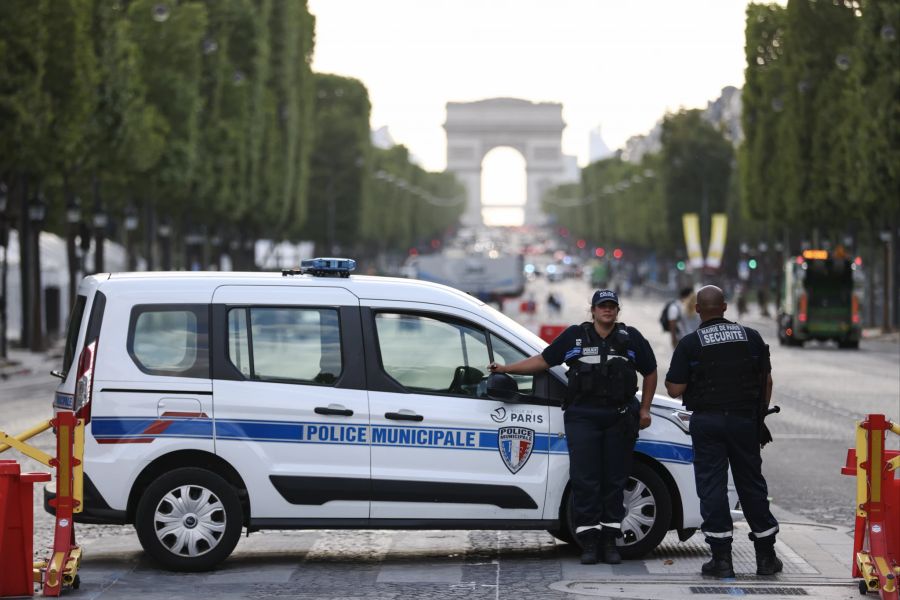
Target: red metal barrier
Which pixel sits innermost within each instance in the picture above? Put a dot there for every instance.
(877, 508)
(548, 333)
(17, 528)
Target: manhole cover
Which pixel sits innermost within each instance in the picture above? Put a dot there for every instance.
(732, 590)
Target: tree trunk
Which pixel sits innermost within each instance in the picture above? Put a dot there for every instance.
(25, 285)
(98, 220)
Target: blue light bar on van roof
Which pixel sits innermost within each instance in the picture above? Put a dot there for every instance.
(323, 267)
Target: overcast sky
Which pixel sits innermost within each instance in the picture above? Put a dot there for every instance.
(618, 64)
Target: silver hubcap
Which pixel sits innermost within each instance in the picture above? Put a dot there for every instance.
(640, 512)
(189, 520)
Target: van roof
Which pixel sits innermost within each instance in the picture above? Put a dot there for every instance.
(363, 286)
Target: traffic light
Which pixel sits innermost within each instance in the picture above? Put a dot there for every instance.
(581, 244)
(600, 252)
(617, 253)
(680, 265)
(752, 263)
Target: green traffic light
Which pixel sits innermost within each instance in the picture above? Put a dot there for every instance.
(751, 263)
(680, 265)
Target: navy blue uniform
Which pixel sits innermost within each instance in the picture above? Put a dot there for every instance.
(725, 367)
(600, 435)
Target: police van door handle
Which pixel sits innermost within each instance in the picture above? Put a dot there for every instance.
(403, 416)
(334, 409)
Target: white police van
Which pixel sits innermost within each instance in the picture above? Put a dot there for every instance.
(222, 401)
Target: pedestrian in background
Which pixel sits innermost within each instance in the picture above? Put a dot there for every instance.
(602, 417)
(723, 374)
(690, 320)
(674, 315)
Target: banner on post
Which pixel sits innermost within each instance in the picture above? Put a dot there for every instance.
(691, 223)
(718, 233)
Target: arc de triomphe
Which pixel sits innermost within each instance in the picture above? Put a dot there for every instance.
(534, 129)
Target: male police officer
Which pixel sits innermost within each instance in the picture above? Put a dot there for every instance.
(723, 372)
(602, 417)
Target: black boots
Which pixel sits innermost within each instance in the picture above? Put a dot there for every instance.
(720, 564)
(590, 542)
(596, 544)
(608, 545)
(767, 563)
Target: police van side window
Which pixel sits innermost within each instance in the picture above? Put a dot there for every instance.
(170, 339)
(430, 355)
(286, 344)
(506, 355)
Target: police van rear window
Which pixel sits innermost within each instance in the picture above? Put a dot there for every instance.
(170, 339)
(72, 329)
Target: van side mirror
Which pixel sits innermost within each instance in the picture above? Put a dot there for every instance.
(501, 386)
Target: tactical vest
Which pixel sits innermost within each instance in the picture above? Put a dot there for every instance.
(604, 373)
(727, 376)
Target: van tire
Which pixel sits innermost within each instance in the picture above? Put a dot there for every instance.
(214, 514)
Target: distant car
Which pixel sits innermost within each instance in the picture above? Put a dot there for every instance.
(221, 401)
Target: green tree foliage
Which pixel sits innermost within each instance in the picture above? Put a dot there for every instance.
(126, 134)
(406, 206)
(170, 62)
(874, 166)
(616, 203)
(761, 164)
(808, 130)
(821, 107)
(24, 102)
(70, 84)
(340, 154)
(696, 167)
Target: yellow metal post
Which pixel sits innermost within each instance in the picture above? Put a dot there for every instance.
(78, 471)
(862, 452)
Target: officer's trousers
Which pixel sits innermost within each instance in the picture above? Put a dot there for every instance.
(601, 443)
(722, 438)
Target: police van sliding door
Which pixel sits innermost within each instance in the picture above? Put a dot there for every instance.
(291, 412)
(440, 449)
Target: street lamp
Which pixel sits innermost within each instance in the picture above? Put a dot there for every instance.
(131, 224)
(73, 218)
(164, 232)
(36, 212)
(100, 221)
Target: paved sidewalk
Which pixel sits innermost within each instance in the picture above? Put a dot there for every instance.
(340, 564)
(21, 364)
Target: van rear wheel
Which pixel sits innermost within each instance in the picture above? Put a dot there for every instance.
(189, 519)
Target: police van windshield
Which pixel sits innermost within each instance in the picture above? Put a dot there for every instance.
(524, 334)
(72, 329)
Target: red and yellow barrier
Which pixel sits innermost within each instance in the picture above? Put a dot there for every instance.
(16, 532)
(876, 539)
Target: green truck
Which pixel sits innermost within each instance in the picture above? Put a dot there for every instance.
(820, 299)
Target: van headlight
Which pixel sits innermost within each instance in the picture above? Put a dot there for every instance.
(682, 418)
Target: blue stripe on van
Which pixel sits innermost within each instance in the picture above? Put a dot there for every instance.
(449, 438)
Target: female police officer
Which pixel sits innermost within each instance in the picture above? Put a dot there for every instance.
(602, 416)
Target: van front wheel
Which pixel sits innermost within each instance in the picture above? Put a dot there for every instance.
(189, 519)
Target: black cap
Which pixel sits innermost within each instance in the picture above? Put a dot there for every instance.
(604, 296)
